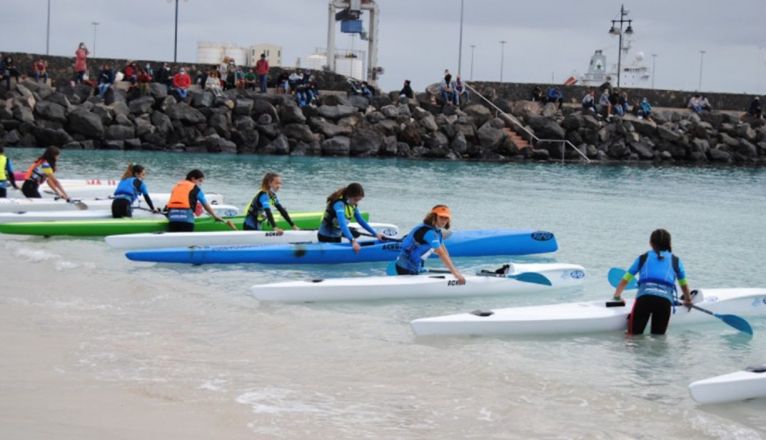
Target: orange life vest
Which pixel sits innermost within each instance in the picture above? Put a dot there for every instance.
(183, 195)
(33, 173)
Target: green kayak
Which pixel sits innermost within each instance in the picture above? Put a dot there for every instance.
(102, 228)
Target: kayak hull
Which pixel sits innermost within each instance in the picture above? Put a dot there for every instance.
(731, 387)
(93, 214)
(51, 204)
(471, 243)
(102, 228)
(424, 286)
(584, 317)
(226, 238)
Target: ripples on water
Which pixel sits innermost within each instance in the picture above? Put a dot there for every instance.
(355, 369)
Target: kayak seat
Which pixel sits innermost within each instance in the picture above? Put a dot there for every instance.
(757, 369)
(318, 280)
(483, 313)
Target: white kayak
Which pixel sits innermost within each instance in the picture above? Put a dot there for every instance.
(92, 214)
(746, 384)
(585, 317)
(104, 203)
(75, 188)
(424, 286)
(158, 240)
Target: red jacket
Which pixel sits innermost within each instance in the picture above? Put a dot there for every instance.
(262, 67)
(181, 80)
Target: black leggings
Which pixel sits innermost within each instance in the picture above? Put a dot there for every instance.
(30, 189)
(644, 307)
(3, 193)
(326, 239)
(180, 227)
(121, 208)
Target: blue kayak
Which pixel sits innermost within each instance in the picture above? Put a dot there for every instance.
(468, 243)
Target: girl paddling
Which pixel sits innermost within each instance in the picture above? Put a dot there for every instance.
(131, 186)
(184, 198)
(43, 170)
(341, 208)
(260, 210)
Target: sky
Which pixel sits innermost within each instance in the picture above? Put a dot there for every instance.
(547, 40)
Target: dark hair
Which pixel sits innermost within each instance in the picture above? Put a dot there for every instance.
(49, 155)
(430, 219)
(266, 182)
(2, 150)
(195, 174)
(352, 190)
(132, 171)
(660, 241)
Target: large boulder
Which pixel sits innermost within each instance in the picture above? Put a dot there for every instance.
(243, 106)
(299, 132)
(489, 136)
(86, 123)
(546, 128)
(185, 113)
(24, 114)
(280, 145)
(216, 144)
(219, 122)
(410, 135)
(142, 105)
(120, 132)
(366, 142)
(328, 129)
(336, 112)
(244, 122)
(668, 133)
(246, 140)
(158, 91)
(642, 150)
(429, 123)
(51, 111)
(162, 122)
(264, 107)
(46, 136)
(360, 102)
(203, 99)
(479, 114)
(291, 113)
(337, 146)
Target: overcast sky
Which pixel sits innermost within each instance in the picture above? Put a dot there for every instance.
(547, 39)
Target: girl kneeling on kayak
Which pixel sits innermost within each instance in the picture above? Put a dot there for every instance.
(260, 209)
(43, 170)
(183, 200)
(424, 239)
(341, 208)
(657, 272)
(130, 187)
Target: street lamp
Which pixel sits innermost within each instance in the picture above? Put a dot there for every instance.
(48, 31)
(95, 26)
(654, 60)
(699, 86)
(473, 46)
(502, 58)
(614, 31)
(460, 47)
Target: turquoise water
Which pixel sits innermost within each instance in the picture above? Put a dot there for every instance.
(582, 386)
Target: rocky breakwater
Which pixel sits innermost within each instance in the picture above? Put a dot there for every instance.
(246, 122)
(673, 136)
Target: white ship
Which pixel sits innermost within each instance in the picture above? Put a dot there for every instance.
(635, 71)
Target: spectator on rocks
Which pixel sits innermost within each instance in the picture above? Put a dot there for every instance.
(40, 69)
(231, 77)
(8, 70)
(239, 77)
(181, 83)
(589, 102)
(554, 95)
(163, 75)
(604, 104)
(250, 79)
(645, 110)
(446, 89)
(130, 73)
(105, 79)
(213, 83)
(695, 104)
(367, 90)
(283, 83)
(406, 91)
(537, 94)
(755, 109)
(295, 79)
(80, 63)
(622, 104)
(460, 90)
(144, 77)
(607, 85)
(705, 104)
(262, 70)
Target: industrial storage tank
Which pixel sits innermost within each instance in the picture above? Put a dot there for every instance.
(238, 54)
(209, 53)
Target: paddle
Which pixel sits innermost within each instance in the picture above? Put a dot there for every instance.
(616, 274)
(78, 203)
(141, 208)
(385, 237)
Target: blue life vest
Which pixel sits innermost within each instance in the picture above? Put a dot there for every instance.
(415, 248)
(658, 276)
(330, 227)
(127, 189)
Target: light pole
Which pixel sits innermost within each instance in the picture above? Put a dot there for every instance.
(473, 46)
(654, 60)
(48, 31)
(614, 31)
(702, 55)
(175, 41)
(460, 47)
(95, 26)
(502, 58)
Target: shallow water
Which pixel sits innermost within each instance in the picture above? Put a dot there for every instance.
(100, 347)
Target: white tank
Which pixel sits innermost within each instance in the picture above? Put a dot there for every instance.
(209, 53)
(352, 67)
(315, 62)
(237, 53)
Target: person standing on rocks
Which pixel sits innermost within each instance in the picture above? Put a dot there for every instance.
(80, 63)
(262, 70)
(43, 170)
(6, 174)
(755, 109)
(8, 70)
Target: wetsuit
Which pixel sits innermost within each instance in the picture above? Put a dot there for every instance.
(36, 175)
(416, 247)
(6, 176)
(126, 193)
(261, 211)
(656, 290)
(335, 220)
(181, 206)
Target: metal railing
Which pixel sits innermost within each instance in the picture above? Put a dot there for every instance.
(531, 137)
